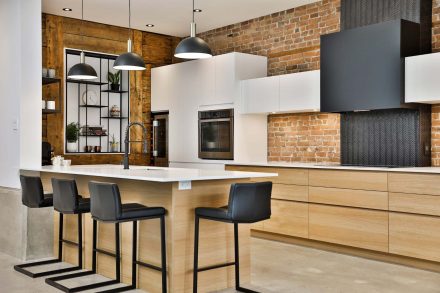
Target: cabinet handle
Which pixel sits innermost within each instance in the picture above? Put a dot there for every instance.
(155, 125)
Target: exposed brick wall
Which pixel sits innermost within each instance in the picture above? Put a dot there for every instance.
(304, 138)
(290, 40)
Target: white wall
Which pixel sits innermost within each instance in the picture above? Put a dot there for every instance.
(20, 83)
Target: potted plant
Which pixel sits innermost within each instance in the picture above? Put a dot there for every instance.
(72, 132)
(114, 145)
(114, 79)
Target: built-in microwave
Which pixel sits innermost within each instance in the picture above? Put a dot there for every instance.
(216, 134)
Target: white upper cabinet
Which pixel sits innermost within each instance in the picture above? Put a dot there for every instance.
(422, 83)
(300, 92)
(161, 89)
(226, 85)
(296, 92)
(261, 95)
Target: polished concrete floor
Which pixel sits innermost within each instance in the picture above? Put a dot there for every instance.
(278, 267)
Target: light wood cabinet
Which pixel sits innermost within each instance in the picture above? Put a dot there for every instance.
(290, 192)
(364, 180)
(288, 218)
(415, 236)
(285, 175)
(414, 183)
(415, 203)
(349, 197)
(349, 226)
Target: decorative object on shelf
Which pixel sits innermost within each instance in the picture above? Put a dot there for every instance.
(57, 161)
(114, 79)
(72, 132)
(43, 104)
(51, 72)
(97, 148)
(82, 71)
(90, 97)
(129, 60)
(115, 111)
(44, 72)
(193, 47)
(89, 130)
(88, 149)
(114, 145)
(50, 105)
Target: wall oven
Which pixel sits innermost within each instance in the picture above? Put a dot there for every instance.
(216, 134)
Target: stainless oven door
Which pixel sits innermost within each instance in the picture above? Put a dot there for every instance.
(216, 139)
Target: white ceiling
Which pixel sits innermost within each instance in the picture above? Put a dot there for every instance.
(170, 17)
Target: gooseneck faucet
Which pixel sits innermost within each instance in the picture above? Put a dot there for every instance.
(127, 142)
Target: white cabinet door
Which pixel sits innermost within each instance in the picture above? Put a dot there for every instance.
(300, 92)
(227, 88)
(162, 85)
(261, 95)
(422, 84)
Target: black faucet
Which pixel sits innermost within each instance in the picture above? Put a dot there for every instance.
(127, 142)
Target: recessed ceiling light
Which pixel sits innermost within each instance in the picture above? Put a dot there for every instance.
(149, 25)
(197, 10)
(67, 9)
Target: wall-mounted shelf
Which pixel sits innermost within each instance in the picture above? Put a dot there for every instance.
(94, 135)
(93, 106)
(48, 80)
(85, 82)
(114, 117)
(116, 92)
(47, 111)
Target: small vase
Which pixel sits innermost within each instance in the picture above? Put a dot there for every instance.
(114, 147)
(114, 87)
(72, 147)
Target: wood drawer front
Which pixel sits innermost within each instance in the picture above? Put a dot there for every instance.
(415, 236)
(414, 183)
(349, 197)
(415, 203)
(349, 226)
(349, 179)
(285, 175)
(289, 218)
(258, 226)
(290, 192)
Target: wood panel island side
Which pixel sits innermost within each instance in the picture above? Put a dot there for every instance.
(179, 191)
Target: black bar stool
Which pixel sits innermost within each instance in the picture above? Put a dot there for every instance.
(248, 203)
(34, 197)
(106, 206)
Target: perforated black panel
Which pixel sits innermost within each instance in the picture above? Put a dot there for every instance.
(397, 137)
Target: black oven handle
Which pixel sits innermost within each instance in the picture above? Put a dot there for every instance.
(215, 120)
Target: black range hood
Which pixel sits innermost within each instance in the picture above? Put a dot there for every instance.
(363, 68)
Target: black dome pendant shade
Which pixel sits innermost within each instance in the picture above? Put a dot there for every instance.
(129, 61)
(82, 71)
(193, 47)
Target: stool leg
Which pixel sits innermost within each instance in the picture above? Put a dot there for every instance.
(80, 241)
(60, 237)
(163, 251)
(134, 255)
(237, 258)
(196, 253)
(95, 232)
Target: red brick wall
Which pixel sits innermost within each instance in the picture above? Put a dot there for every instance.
(290, 40)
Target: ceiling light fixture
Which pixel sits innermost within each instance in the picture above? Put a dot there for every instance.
(67, 9)
(150, 25)
(193, 47)
(129, 60)
(82, 71)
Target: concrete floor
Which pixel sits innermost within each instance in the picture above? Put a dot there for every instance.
(278, 267)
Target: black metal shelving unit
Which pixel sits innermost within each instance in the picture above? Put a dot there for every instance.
(101, 109)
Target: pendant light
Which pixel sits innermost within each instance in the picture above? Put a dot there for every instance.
(129, 60)
(193, 47)
(82, 71)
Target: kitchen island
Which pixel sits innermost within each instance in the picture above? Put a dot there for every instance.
(179, 191)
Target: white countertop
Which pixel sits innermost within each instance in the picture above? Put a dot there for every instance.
(147, 173)
(335, 166)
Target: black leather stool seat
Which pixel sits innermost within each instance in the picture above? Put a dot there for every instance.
(47, 200)
(214, 213)
(83, 205)
(135, 211)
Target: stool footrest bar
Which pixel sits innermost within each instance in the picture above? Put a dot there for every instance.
(241, 289)
(69, 242)
(53, 282)
(105, 252)
(147, 265)
(22, 269)
(216, 266)
(120, 289)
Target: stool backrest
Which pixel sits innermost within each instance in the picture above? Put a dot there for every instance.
(105, 201)
(250, 202)
(32, 193)
(65, 195)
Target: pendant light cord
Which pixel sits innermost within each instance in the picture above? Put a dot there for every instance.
(129, 19)
(193, 11)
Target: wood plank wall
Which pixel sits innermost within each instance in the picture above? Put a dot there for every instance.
(61, 32)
